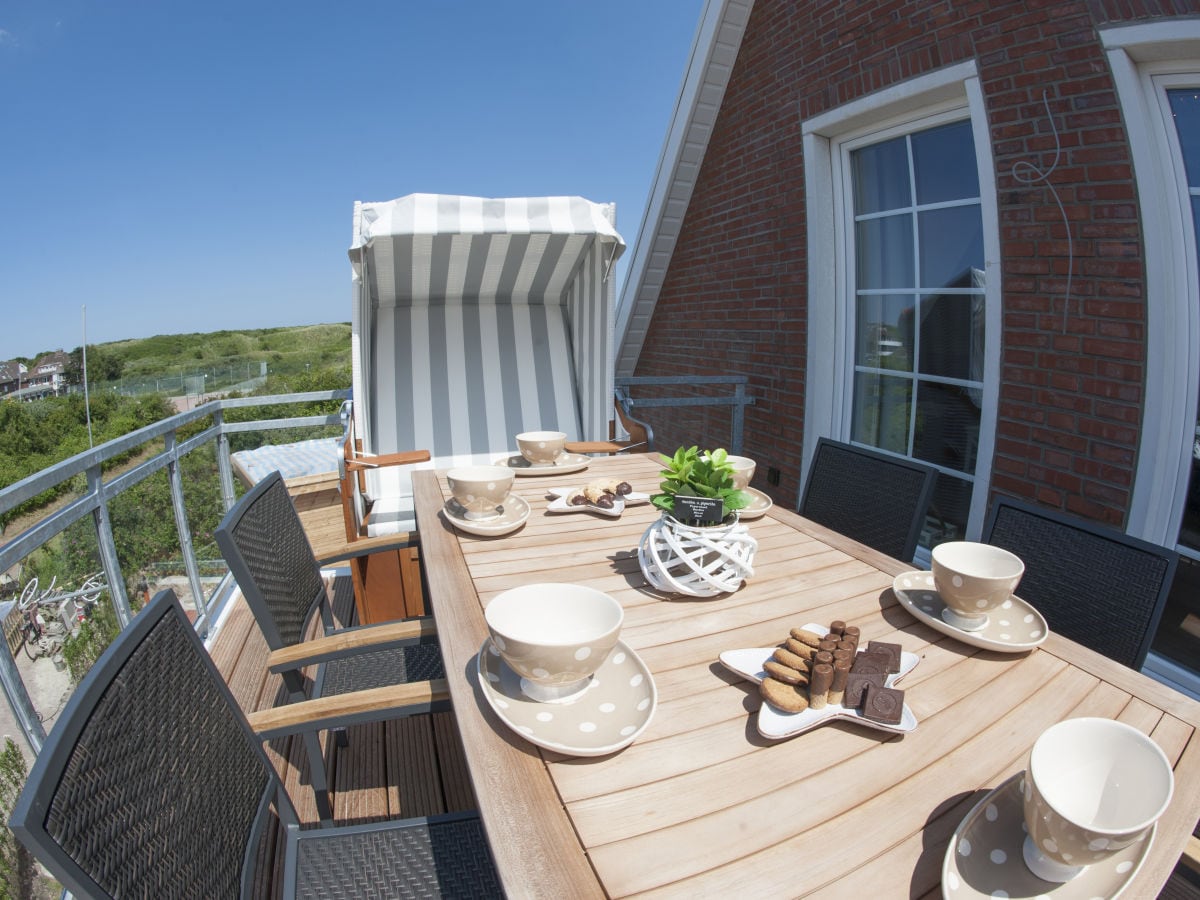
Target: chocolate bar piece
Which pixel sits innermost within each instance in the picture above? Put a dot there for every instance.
(883, 704)
(892, 650)
(871, 663)
(857, 684)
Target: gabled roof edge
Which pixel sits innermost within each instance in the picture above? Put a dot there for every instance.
(714, 50)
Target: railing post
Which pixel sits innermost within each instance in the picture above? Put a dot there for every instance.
(739, 417)
(108, 548)
(20, 703)
(185, 534)
(224, 466)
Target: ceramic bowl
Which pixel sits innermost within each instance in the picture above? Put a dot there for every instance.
(743, 471)
(1092, 788)
(480, 490)
(973, 579)
(541, 447)
(555, 636)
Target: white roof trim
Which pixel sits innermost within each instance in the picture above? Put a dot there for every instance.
(714, 50)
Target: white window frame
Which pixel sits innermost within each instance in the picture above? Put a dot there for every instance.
(1144, 59)
(952, 93)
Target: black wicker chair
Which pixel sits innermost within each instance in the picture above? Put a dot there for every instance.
(152, 784)
(266, 548)
(1094, 585)
(878, 500)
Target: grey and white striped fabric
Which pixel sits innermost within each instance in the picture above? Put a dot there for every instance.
(476, 319)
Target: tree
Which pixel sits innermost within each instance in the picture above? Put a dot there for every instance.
(102, 365)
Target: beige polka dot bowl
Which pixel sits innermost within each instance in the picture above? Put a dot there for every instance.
(973, 579)
(555, 636)
(743, 471)
(480, 490)
(542, 447)
(1092, 788)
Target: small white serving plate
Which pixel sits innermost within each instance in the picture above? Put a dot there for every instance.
(564, 465)
(983, 859)
(608, 716)
(560, 503)
(758, 505)
(776, 725)
(1013, 627)
(515, 512)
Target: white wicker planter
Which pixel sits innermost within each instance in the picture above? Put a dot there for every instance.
(697, 561)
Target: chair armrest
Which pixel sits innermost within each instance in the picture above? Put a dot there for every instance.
(340, 710)
(593, 447)
(407, 458)
(365, 546)
(351, 640)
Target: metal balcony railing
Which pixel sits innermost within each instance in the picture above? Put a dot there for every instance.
(100, 490)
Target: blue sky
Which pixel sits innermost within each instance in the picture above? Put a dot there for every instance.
(193, 167)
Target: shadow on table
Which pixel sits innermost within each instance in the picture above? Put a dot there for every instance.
(939, 828)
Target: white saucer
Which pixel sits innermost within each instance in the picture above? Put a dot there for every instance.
(758, 505)
(515, 511)
(609, 715)
(560, 503)
(564, 465)
(1013, 627)
(776, 725)
(984, 856)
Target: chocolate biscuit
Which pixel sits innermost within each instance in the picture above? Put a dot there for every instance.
(818, 686)
(806, 637)
(837, 689)
(800, 649)
(790, 659)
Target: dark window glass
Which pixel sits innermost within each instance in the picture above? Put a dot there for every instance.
(880, 175)
(951, 246)
(944, 163)
(885, 253)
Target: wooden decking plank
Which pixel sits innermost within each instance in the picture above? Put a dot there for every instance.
(456, 779)
(413, 776)
(360, 786)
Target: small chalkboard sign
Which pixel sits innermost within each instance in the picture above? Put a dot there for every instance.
(705, 510)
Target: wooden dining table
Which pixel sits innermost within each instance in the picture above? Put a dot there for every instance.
(700, 805)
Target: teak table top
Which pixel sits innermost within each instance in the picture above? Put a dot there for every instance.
(700, 805)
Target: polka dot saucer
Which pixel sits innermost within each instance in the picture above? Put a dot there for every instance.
(1014, 627)
(608, 716)
(984, 856)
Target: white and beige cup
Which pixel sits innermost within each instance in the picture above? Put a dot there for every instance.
(1092, 788)
(555, 636)
(541, 448)
(972, 579)
(480, 490)
(743, 471)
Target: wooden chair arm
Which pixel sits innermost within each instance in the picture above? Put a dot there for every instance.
(365, 546)
(407, 458)
(593, 447)
(368, 637)
(370, 705)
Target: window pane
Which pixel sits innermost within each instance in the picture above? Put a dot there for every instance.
(951, 246)
(880, 175)
(884, 335)
(944, 163)
(952, 336)
(1185, 108)
(885, 253)
(881, 407)
(947, 432)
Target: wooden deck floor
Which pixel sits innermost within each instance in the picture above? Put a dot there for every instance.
(398, 769)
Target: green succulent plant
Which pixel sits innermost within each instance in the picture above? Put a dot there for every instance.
(692, 472)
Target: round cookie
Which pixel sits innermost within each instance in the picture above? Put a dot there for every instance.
(790, 659)
(787, 674)
(782, 696)
(802, 650)
(806, 637)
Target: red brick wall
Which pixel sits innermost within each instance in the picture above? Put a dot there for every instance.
(736, 291)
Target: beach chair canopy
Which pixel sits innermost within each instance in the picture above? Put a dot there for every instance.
(476, 319)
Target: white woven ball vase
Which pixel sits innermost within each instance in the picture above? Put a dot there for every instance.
(699, 561)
